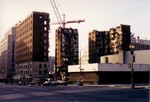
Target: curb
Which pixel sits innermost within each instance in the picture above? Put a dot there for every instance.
(136, 87)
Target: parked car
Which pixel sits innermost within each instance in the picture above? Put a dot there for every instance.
(36, 82)
(47, 83)
(20, 83)
(58, 82)
(53, 83)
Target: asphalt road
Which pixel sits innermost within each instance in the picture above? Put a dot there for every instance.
(14, 93)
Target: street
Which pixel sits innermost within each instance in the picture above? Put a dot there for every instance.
(72, 93)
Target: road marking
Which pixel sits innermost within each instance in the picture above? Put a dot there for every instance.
(41, 93)
(12, 96)
(25, 95)
(75, 90)
(15, 89)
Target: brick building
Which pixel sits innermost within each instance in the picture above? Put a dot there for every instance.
(32, 43)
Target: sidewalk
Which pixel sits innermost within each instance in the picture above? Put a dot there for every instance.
(129, 86)
(122, 86)
(137, 86)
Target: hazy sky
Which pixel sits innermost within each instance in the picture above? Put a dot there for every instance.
(98, 14)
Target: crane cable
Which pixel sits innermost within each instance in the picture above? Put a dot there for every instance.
(56, 11)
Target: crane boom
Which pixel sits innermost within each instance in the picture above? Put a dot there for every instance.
(78, 21)
(57, 14)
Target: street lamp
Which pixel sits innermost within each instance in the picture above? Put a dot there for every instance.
(80, 66)
(66, 67)
(132, 47)
(80, 81)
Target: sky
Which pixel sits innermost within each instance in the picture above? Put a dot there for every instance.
(98, 15)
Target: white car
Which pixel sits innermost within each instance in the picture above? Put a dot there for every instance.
(47, 83)
(59, 82)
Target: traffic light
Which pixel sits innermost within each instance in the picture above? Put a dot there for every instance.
(133, 58)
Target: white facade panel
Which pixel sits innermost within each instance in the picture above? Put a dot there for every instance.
(108, 67)
(141, 57)
(84, 68)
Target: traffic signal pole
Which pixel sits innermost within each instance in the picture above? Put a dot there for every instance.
(132, 75)
(132, 47)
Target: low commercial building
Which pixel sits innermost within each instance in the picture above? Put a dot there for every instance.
(114, 69)
(109, 73)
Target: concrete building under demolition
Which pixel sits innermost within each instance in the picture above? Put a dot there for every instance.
(66, 52)
(108, 42)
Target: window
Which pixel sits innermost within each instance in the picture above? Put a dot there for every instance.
(40, 72)
(12, 65)
(45, 48)
(45, 54)
(45, 16)
(45, 22)
(12, 58)
(40, 17)
(40, 66)
(45, 41)
(45, 28)
(40, 40)
(44, 65)
(45, 72)
(45, 35)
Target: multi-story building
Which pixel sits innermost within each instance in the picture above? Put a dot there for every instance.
(98, 45)
(120, 38)
(51, 68)
(108, 42)
(7, 55)
(32, 43)
(141, 50)
(66, 52)
(140, 44)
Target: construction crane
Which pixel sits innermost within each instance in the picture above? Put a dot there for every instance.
(61, 22)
